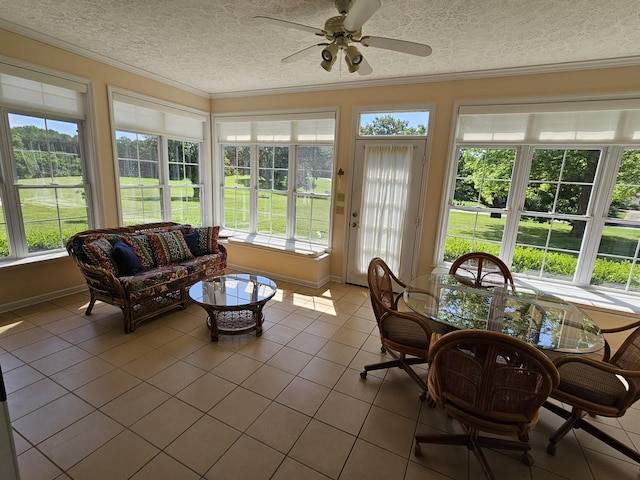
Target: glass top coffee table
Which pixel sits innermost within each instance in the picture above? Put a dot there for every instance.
(234, 302)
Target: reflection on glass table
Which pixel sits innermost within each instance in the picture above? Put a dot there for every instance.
(234, 302)
(540, 319)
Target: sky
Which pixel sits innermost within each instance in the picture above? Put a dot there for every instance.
(15, 120)
(69, 128)
(415, 118)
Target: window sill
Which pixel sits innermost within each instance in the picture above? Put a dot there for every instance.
(14, 262)
(623, 302)
(305, 249)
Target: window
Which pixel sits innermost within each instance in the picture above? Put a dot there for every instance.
(45, 195)
(277, 174)
(409, 123)
(160, 161)
(553, 189)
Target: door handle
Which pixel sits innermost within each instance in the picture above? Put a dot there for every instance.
(354, 224)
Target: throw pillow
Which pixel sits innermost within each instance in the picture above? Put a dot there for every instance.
(170, 247)
(192, 243)
(126, 259)
(100, 253)
(208, 239)
(141, 246)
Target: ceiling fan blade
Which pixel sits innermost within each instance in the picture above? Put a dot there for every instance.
(403, 46)
(360, 12)
(302, 53)
(284, 23)
(365, 68)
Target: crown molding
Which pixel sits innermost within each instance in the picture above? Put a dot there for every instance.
(445, 77)
(54, 42)
(383, 82)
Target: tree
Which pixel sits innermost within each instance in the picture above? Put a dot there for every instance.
(560, 180)
(389, 125)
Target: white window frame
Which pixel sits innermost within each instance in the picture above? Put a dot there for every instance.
(44, 105)
(250, 138)
(145, 115)
(597, 212)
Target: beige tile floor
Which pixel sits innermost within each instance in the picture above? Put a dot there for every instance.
(88, 402)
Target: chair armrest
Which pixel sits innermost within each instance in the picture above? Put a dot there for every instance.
(621, 328)
(599, 364)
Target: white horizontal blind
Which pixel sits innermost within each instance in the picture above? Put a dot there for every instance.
(299, 129)
(136, 114)
(611, 122)
(23, 88)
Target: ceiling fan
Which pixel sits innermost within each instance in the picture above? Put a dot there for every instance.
(343, 31)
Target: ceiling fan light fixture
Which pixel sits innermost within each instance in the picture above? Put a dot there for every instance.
(353, 58)
(329, 56)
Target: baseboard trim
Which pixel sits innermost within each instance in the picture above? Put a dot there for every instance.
(27, 302)
(284, 278)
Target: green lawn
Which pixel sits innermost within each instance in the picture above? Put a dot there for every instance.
(608, 270)
(41, 209)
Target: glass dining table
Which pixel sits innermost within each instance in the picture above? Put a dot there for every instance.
(543, 320)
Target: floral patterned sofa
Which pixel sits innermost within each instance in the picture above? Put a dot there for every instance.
(146, 269)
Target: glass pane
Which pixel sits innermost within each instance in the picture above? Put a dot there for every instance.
(52, 215)
(265, 157)
(625, 201)
(312, 219)
(45, 151)
(473, 231)
(137, 159)
(184, 160)
(484, 177)
(616, 264)
(617, 260)
(272, 214)
(561, 181)
(273, 170)
(4, 243)
(237, 171)
(573, 199)
(185, 204)
(236, 209)
(314, 170)
(265, 179)
(394, 123)
(547, 247)
(43, 235)
(141, 205)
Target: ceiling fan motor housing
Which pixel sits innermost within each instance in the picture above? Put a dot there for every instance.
(335, 31)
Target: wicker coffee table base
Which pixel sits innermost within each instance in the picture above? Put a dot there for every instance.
(234, 322)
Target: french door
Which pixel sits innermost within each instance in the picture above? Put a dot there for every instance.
(385, 206)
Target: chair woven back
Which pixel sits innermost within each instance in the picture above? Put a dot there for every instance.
(490, 379)
(381, 282)
(481, 269)
(628, 358)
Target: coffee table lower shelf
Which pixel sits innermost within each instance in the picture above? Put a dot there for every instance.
(234, 322)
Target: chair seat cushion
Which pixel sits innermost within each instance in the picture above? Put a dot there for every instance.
(406, 333)
(590, 383)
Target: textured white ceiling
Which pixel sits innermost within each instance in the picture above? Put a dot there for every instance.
(216, 47)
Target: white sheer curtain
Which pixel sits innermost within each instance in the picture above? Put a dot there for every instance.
(384, 203)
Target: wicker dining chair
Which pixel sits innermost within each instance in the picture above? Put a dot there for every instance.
(405, 335)
(481, 269)
(606, 387)
(489, 382)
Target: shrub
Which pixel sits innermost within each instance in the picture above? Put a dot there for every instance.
(526, 259)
